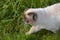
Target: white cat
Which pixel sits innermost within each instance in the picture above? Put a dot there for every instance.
(43, 18)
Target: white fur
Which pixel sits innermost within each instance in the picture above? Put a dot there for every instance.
(48, 18)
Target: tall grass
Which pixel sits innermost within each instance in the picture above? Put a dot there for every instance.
(11, 19)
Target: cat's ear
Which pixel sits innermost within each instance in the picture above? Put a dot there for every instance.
(26, 9)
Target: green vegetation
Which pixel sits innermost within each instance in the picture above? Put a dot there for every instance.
(11, 20)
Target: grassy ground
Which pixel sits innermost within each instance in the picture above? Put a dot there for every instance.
(11, 20)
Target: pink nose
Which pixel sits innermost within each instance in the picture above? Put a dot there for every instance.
(26, 19)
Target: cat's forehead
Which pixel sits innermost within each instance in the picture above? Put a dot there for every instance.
(29, 11)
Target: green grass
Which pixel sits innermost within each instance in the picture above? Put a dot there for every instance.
(12, 26)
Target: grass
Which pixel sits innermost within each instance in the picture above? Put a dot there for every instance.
(11, 20)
